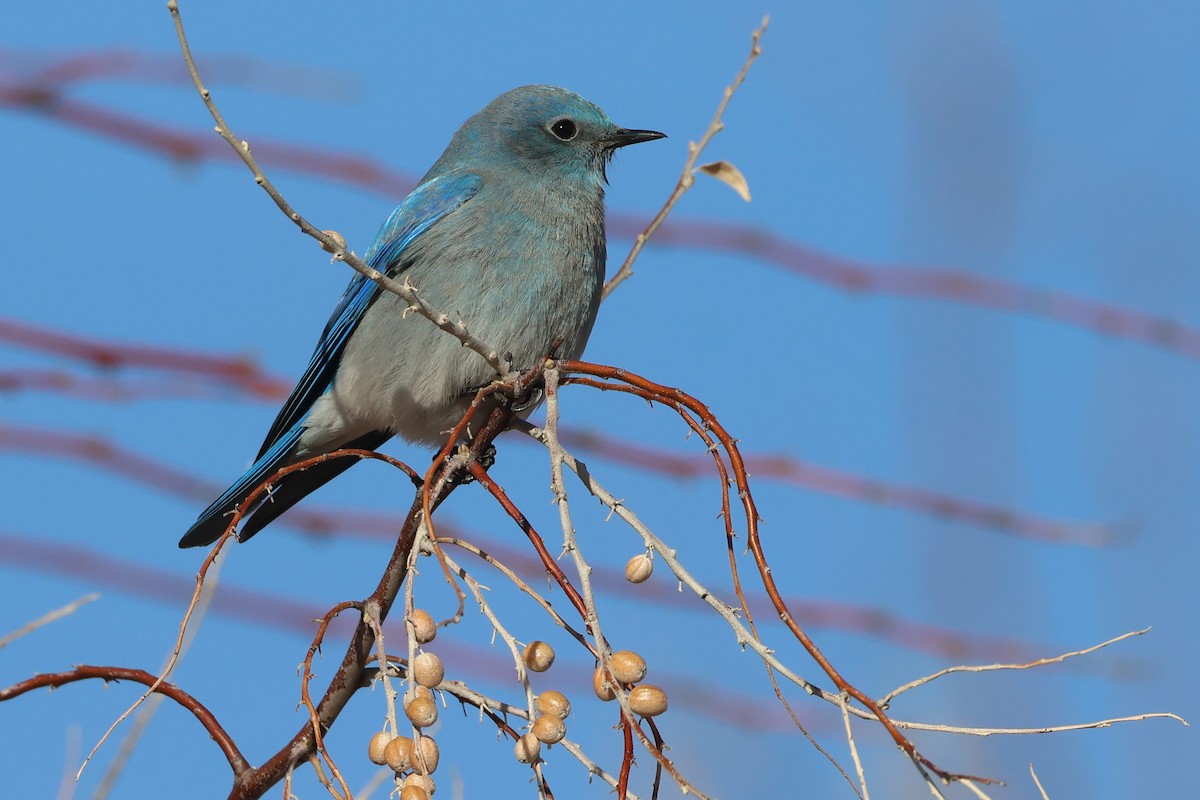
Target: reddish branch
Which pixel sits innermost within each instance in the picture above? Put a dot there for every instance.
(539, 545)
(613, 378)
(822, 479)
(955, 285)
(242, 372)
(243, 375)
(627, 756)
(54, 680)
(777, 467)
(49, 70)
(306, 679)
(164, 476)
(252, 782)
(279, 612)
(49, 100)
(183, 145)
(351, 674)
(334, 521)
(104, 388)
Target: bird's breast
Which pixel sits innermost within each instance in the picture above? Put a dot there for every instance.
(523, 273)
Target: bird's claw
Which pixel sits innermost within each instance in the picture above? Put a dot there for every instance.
(486, 460)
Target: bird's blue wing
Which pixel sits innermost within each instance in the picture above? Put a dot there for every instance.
(429, 202)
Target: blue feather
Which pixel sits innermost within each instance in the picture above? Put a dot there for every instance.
(429, 202)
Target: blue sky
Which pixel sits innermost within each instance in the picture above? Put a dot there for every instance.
(1053, 147)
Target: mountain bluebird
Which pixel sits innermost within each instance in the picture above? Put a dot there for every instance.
(505, 231)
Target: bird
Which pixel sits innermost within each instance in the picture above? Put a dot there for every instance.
(506, 232)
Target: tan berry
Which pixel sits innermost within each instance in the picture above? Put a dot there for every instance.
(549, 729)
(422, 782)
(398, 753)
(421, 711)
(639, 568)
(601, 684)
(415, 691)
(647, 700)
(424, 628)
(554, 703)
(375, 748)
(527, 749)
(627, 666)
(428, 670)
(538, 656)
(413, 793)
(425, 756)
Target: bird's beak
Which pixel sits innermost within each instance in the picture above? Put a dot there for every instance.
(623, 136)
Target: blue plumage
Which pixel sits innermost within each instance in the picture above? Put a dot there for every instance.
(506, 231)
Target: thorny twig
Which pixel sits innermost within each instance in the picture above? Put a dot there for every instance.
(688, 176)
(330, 242)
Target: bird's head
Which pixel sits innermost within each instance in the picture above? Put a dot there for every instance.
(545, 129)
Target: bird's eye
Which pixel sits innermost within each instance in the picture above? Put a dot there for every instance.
(564, 129)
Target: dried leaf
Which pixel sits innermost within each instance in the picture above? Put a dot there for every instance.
(730, 175)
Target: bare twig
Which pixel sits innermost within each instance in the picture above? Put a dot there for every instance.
(142, 722)
(522, 585)
(887, 699)
(615, 379)
(1038, 783)
(181, 638)
(688, 177)
(314, 718)
(330, 243)
(747, 639)
(510, 641)
(844, 702)
(352, 672)
(680, 401)
(583, 571)
(47, 618)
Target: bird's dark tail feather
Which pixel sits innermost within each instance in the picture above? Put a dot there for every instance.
(283, 495)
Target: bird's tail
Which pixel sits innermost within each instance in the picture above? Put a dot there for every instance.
(212, 522)
(284, 493)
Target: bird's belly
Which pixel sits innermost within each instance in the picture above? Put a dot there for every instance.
(402, 374)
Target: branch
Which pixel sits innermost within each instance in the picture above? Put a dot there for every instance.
(1041, 662)
(688, 177)
(795, 472)
(622, 380)
(329, 241)
(239, 371)
(237, 762)
(352, 673)
(47, 618)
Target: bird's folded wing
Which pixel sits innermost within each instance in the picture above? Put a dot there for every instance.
(428, 203)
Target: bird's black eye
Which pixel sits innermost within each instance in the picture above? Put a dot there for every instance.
(564, 129)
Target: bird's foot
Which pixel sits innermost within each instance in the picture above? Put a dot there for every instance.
(486, 460)
(531, 397)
